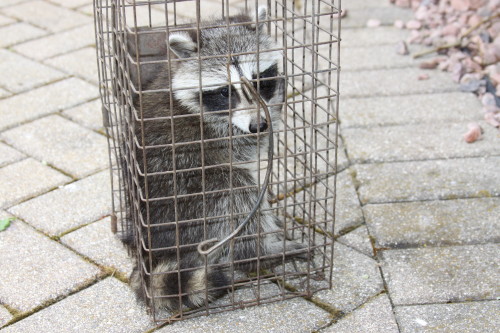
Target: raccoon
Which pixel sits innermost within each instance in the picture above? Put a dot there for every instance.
(189, 147)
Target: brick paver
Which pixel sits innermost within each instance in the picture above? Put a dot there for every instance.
(412, 197)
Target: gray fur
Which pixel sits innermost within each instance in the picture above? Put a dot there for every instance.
(202, 211)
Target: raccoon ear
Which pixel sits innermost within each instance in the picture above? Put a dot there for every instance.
(261, 16)
(182, 45)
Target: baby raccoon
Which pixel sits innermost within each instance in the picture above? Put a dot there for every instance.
(193, 191)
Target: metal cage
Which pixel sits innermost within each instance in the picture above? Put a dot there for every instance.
(293, 173)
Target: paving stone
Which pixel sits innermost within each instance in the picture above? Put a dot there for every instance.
(36, 269)
(59, 43)
(108, 306)
(363, 4)
(71, 3)
(18, 32)
(417, 142)
(19, 73)
(410, 109)
(97, 242)
(6, 3)
(450, 222)
(356, 278)
(470, 317)
(5, 316)
(88, 114)
(62, 143)
(373, 317)
(25, 179)
(44, 100)
(428, 180)
(447, 274)
(81, 63)
(87, 9)
(375, 57)
(75, 204)
(357, 18)
(274, 317)
(386, 82)
(359, 240)
(45, 15)
(4, 93)
(371, 37)
(4, 20)
(9, 155)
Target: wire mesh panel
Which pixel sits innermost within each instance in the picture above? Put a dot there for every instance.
(222, 125)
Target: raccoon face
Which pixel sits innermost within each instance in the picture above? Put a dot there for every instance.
(227, 54)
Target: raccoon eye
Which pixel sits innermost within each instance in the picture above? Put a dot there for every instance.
(224, 92)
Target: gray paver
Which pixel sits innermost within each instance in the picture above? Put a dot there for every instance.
(6, 3)
(46, 15)
(411, 109)
(275, 317)
(356, 278)
(26, 179)
(18, 32)
(4, 20)
(401, 81)
(62, 143)
(88, 114)
(19, 73)
(373, 36)
(358, 17)
(428, 180)
(44, 100)
(417, 142)
(5, 316)
(81, 63)
(470, 317)
(58, 43)
(447, 222)
(374, 57)
(97, 242)
(431, 275)
(36, 269)
(71, 3)
(108, 306)
(359, 240)
(9, 155)
(4, 93)
(75, 204)
(373, 317)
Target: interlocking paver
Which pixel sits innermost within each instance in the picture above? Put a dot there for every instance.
(374, 57)
(36, 269)
(25, 179)
(62, 143)
(417, 142)
(44, 100)
(6, 3)
(371, 37)
(356, 278)
(412, 224)
(108, 306)
(19, 73)
(71, 3)
(276, 317)
(47, 16)
(97, 242)
(18, 32)
(373, 317)
(75, 204)
(59, 43)
(428, 180)
(431, 275)
(400, 81)
(358, 17)
(5, 316)
(80, 63)
(88, 114)
(4, 93)
(470, 317)
(411, 109)
(359, 240)
(9, 155)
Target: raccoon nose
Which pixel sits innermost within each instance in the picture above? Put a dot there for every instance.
(262, 127)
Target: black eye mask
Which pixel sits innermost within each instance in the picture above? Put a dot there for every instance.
(267, 88)
(218, 99)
